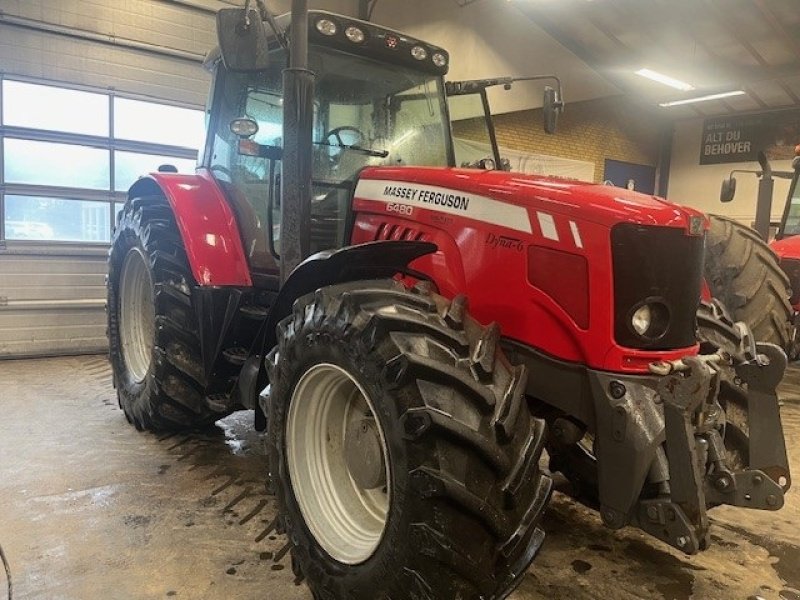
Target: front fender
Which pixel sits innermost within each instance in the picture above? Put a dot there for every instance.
(207, 225)
(373, 260)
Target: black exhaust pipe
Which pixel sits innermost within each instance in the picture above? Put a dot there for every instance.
(298, 124)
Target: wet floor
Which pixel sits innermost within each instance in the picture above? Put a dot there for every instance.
(90, 508)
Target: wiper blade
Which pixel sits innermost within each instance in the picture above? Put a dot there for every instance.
(354, 148)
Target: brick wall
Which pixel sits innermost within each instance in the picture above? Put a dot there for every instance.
(593, 130)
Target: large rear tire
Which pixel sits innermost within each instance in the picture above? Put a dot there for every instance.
(745, 275)
(152, 323)
(449, 445)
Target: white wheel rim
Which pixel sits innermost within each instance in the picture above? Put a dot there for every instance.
(137, 315)
(348, 522)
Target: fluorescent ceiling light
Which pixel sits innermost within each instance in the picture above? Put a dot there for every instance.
(703, 98)
(665, 79)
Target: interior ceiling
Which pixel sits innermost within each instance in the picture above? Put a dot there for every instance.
(715, 45)
(491, 38)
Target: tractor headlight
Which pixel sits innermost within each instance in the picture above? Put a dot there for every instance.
(650, 319)
(327, 27)
(419, 53)
(440, 60)
(355, 35)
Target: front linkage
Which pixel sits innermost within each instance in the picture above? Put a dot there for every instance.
(662, 454)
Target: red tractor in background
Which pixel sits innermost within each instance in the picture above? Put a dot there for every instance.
(405, 334)
(759, 282)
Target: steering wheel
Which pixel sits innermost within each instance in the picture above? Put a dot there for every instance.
(224, 170)
(334, 151)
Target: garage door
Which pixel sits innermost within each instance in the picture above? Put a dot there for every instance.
(67, 157)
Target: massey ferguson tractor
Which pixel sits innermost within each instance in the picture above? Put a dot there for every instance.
(406, 334)
(759, 282)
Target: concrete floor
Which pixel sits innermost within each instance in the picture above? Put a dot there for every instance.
(93, 509)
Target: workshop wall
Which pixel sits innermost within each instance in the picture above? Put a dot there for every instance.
(48, 40)
(699, 185)
(592, 131)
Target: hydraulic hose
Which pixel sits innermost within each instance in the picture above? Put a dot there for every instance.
(8, 574)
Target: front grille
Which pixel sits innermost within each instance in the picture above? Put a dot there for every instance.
(397, 233)
(656, 263)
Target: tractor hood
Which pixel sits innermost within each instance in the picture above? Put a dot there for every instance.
(787, 248)
(601, 204)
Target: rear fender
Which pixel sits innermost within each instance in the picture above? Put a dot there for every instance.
(207, 225)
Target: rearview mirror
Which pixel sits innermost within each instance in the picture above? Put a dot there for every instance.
(551, 107)
(242, 40)
(728, 190)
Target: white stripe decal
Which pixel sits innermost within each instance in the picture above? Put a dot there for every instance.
(452, 202)
(576, 235)
(548, 225)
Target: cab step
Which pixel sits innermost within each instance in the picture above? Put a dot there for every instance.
(254, 311)
(236, 355)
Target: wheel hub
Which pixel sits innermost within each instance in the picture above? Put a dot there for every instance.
(364, 455)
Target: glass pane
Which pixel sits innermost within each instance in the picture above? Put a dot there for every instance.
(246, 178)
(59, 219)
(158, 123)
(470, 130)
(55, 109)
(47, 163)
(129, 166)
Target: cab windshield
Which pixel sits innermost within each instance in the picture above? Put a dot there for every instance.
(372, 113)
(365, 113)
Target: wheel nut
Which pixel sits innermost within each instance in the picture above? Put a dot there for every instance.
(772, 500)
(723, 483)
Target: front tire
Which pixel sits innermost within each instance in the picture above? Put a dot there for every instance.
(154, 346)
(448, 442)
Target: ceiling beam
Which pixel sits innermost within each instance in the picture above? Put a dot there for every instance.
(750, 92)
(602, 28)
(562, 36)
(739, 75)
(735, 30)
(776, 24)
(789, 92)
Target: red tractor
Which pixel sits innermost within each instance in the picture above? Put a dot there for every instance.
(752, 278)
(405, 334)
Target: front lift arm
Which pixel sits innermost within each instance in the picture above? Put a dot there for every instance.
(661, 457)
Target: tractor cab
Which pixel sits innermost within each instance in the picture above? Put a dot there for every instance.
(379, 100)
(790, 223)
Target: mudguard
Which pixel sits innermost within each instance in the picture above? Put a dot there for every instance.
(373, 260)
(207, 225)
